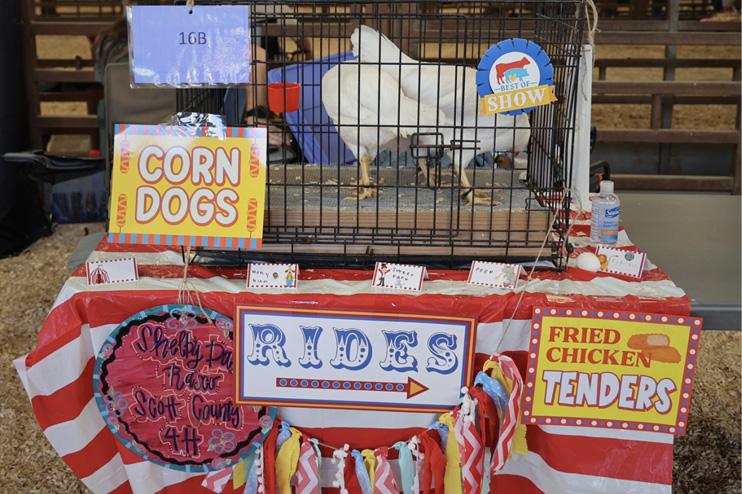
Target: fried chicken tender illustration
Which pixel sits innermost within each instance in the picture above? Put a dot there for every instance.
(656, 345)
(642, 341)
(666, 354)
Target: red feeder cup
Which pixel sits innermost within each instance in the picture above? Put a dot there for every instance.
(283, 97)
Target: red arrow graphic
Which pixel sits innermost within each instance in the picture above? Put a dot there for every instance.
(411, 387)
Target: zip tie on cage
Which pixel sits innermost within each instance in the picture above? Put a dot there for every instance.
(535, 263)
(186, 288)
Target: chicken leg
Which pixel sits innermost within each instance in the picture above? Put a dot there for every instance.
(422, 169)
(470, 193)
(365, 181)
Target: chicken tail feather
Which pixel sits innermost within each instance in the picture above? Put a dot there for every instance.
(373, 47)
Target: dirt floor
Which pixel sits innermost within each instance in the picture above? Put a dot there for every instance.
(707, 459)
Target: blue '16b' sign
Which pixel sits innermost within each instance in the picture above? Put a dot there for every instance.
(340, 359)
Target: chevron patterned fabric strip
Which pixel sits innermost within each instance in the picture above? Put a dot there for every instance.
(504, 368)
(215, 481)
(384, 482)
(472, 450)
(307, 470)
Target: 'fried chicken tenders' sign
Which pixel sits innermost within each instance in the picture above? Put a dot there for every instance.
(172, 187)
(614, 369)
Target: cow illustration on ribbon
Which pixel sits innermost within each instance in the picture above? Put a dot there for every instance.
(503, 69)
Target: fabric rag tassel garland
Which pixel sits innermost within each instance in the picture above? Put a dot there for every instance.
(370, 463)
(254, 479)
(406, 467)
(242, 469)
(434, 461)
(488, 415)
(287, 458)
(418, 458)
(512, 433)
(448, 457)
(267, 474)
(352, 482)
(452, 481)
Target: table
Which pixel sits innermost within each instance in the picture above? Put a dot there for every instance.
(562, 459)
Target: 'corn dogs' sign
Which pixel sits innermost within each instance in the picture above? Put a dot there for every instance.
(513, 77)
(170, 187)
(613, 369)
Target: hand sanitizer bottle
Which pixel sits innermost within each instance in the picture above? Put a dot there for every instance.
(604, 223)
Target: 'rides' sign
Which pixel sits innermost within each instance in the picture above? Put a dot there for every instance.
(342, 359)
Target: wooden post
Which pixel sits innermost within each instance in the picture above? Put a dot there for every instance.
(28, 43)
(671, 52)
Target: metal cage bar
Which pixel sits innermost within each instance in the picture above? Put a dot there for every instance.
(407, 113)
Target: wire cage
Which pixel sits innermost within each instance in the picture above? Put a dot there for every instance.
(386, 155)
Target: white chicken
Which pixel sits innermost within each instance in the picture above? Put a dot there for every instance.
(371, 113)
(451, 89)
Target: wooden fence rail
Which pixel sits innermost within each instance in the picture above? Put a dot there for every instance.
(663, 95)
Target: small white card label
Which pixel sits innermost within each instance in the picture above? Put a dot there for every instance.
(494, 274)
(272, 276)
(112, 271)
(617, 261)
(398, 276)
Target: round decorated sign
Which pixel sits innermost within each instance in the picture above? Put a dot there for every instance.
(164, 383)
(515, 76)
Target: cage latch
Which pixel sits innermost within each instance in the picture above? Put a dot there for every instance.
(462, 144)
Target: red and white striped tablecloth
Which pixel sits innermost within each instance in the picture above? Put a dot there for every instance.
(58, 374)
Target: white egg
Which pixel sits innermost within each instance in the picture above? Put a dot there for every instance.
(589, 262)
